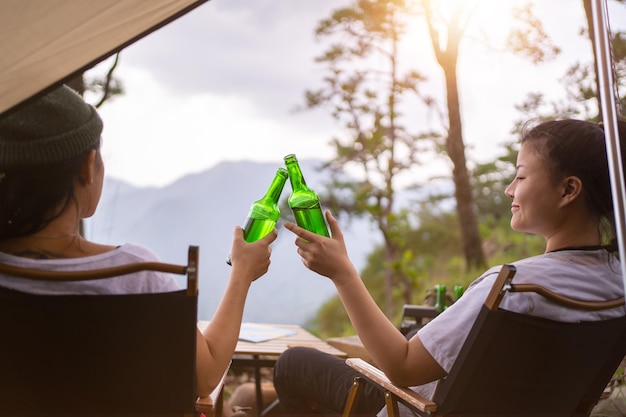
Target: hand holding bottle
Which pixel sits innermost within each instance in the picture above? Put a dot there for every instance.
(323, 255)
(264, 213)
(250, 260)
(304, 202)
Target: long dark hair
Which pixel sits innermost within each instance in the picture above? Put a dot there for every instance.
(578, 148)
(31, 198)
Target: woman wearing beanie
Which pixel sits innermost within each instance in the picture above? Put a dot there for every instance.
(51, 176)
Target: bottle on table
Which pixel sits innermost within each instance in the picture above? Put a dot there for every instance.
(303, 201)
(440, 300)
(458, 292)
(264, 213)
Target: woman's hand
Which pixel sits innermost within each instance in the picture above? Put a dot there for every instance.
(251, 259)
(326, 256)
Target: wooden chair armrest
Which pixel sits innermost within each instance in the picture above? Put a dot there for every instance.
(211, 405)
(206, 405)
(377, 376)
(567, 301)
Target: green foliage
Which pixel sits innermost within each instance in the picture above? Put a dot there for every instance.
(580, 86)
(331, 320)
(529, 39)
(489, 181)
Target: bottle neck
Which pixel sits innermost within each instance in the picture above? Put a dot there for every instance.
(295, 176)
(276, 188)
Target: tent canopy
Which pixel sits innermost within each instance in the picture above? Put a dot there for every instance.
(44, 43)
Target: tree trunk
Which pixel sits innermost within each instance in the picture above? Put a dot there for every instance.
(447, 57)
(470, 237)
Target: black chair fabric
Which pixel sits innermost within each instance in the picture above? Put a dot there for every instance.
(93, 355)
(515, 364)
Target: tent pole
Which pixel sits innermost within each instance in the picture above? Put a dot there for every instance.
(608, 104)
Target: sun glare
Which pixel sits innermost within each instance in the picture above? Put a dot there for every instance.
(480, 18)
(486, 24)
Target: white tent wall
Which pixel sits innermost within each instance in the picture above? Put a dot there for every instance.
(43, 42)
(608, 103)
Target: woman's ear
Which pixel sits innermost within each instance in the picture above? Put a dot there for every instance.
(572, 188)
(88, 168)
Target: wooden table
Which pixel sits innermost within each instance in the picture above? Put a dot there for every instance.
(264, 354)
(352, 346)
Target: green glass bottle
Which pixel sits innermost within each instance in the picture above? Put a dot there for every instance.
(440, 303)
(264, 213)
(303, 201)
(458, 292)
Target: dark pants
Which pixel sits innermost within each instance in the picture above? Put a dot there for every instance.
(309, 381)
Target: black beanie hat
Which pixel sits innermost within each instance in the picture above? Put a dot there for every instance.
(52, 128)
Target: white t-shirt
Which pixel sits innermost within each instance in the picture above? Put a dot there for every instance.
(587, 275)
(135, 283)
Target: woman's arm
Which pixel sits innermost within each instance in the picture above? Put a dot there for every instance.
(404, 362)
(217, 342)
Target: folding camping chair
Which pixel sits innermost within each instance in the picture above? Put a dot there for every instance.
(517, 365)
(104, 355)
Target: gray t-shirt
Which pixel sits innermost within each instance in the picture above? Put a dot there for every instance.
(135, 283)
(588, 275)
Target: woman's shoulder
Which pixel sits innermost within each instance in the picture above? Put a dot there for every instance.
(143, 281)
(137, 253)
(570, 263)
(585, 275)
(558, 267)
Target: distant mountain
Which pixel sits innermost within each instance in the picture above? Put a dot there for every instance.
(202, 209)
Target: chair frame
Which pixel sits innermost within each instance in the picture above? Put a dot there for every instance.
(210, 405)
(416, 316)
(444, 401)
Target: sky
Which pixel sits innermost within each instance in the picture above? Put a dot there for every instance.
(222, 82)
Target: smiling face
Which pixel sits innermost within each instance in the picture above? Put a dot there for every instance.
(536, 197)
